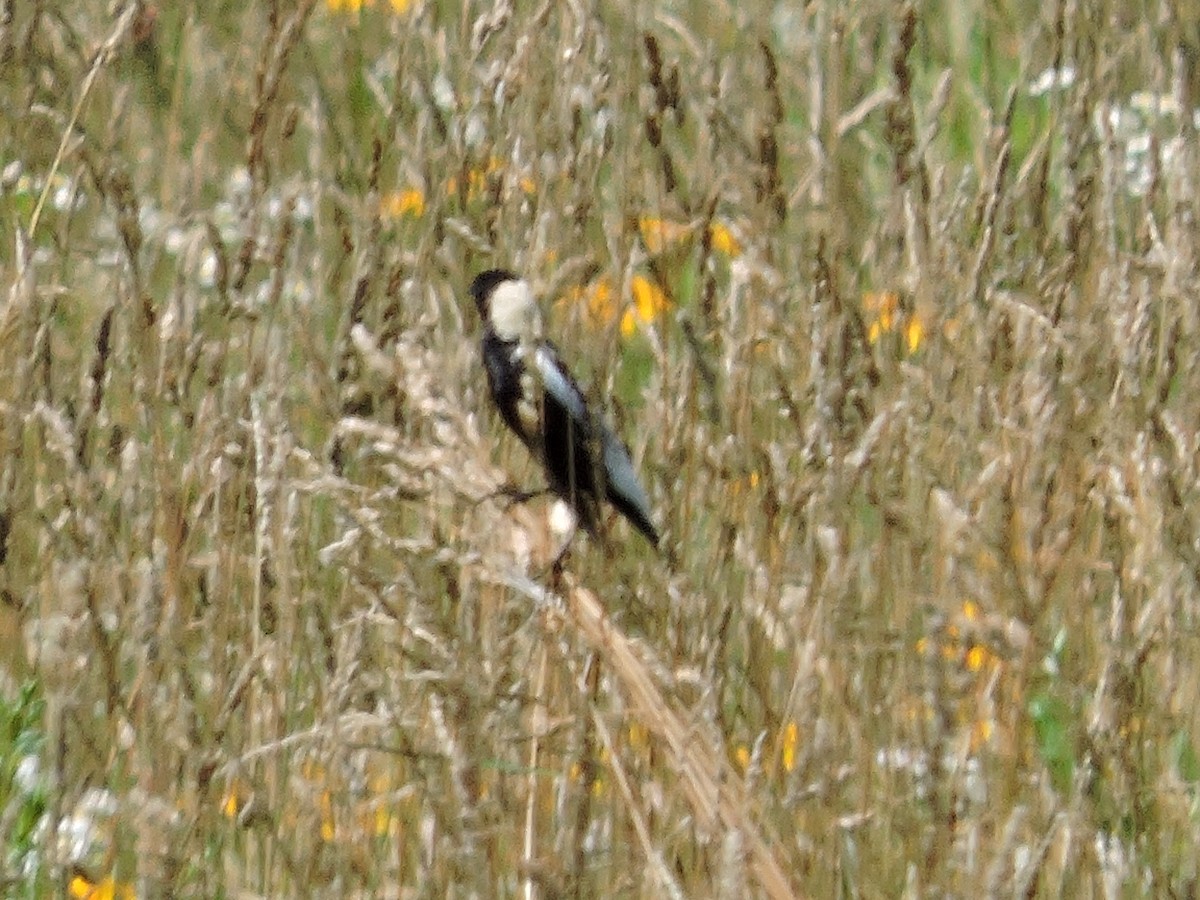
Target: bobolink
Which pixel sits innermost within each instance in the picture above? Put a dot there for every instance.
(539, 400)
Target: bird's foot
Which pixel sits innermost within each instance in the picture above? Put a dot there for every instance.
(513, 495)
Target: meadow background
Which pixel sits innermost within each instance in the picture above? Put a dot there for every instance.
(895, 303)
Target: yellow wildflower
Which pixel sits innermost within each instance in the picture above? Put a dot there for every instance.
(600, 301)
(235, 799)
(597, 299)
(409, 202)
(791, 736)
(576, 773)
(914, 330)
(399, 7)
(479, 176)
(981, 733)
(661, 234)
(328, 829)
(882, 305)
(649, 302)
(886, 316)
(722, 240)
(742, 754)
(639, 738)
(977, 657)
(106, 889)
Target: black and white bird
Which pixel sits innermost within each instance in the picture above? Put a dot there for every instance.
(538, 399)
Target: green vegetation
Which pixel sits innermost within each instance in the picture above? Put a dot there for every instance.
(896, 303)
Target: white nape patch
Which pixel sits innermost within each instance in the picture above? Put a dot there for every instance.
(513, 311)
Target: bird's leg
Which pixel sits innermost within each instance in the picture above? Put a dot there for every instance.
(555, 569)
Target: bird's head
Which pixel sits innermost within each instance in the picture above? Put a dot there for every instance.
(505, 302)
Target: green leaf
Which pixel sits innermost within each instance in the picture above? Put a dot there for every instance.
(637, 364)
(1053, 728)
(1184, 754)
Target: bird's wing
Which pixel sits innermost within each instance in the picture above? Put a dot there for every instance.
(559, 384)
(621, 481)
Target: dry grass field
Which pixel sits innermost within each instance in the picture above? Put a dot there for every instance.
(896, 305)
